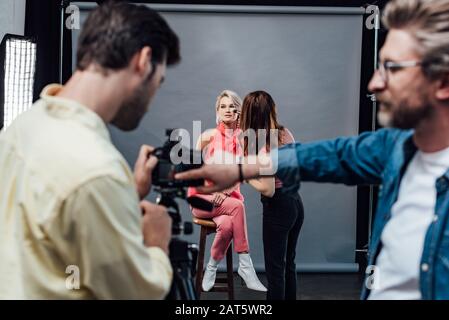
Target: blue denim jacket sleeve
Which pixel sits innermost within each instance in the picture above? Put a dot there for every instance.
(351, 160)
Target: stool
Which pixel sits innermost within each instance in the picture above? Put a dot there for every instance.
(221, 284)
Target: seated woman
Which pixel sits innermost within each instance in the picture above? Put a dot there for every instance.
(229, 210)
(283, 214)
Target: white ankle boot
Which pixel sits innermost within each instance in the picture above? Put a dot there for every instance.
(247, 272)
(209, 274)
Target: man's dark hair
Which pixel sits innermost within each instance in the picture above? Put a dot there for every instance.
(115, 31)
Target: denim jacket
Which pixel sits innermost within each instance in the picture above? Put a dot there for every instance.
(375, 158)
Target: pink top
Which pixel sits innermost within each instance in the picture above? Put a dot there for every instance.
(287, 138)
(225, 140)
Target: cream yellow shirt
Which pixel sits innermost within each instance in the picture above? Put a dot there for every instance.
(69, 211)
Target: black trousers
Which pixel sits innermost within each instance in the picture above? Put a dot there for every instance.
(283, 216)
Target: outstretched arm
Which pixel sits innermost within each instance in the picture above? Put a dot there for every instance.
(353, 160)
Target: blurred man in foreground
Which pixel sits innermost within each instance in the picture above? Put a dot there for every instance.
(71, 224)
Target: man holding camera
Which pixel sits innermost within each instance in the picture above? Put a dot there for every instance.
(409, 251)
(71, 224)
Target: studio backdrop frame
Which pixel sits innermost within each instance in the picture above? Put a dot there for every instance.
(314, 61)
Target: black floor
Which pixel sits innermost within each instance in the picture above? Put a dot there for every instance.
(311, 286)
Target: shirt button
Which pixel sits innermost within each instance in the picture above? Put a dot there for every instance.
(425, 267)
(435, 218)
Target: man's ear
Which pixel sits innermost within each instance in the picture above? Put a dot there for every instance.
(143, 63)
(443, 88)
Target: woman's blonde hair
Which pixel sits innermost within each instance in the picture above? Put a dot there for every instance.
(236, 100)
(428, 22)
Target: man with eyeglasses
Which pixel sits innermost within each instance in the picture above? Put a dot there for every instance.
(409, 251)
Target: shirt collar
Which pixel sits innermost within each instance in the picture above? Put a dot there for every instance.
(410, 150)
(64, 108)
(409, 146)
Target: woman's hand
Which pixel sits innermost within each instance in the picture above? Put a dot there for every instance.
(266, 186)
(219, 197)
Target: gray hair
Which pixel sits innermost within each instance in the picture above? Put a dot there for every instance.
(428, 22)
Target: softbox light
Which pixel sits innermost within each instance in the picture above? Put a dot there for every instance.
(17, 69)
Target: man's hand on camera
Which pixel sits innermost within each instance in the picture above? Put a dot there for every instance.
(142, 170)
(157, 225)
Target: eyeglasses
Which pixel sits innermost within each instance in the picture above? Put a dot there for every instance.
(386, 67)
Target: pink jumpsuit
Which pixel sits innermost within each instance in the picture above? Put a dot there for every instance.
(230, 216)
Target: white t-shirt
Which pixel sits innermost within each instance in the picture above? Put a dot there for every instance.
(398, 263)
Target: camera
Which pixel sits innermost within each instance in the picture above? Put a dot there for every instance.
(175, 158)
